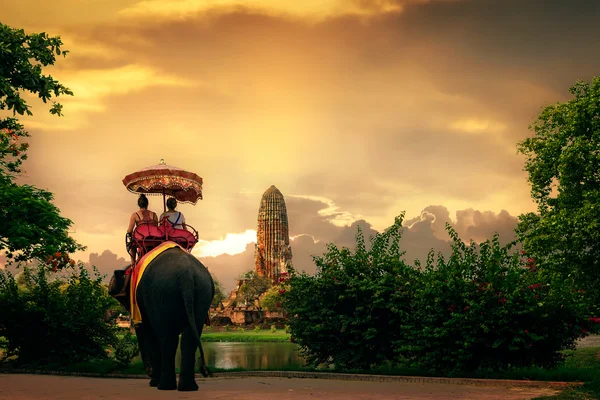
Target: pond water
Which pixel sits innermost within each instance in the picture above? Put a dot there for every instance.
(229, 355)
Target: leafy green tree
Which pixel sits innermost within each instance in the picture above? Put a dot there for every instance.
(273, 298)
(254, 285)
(563, 163)
(31, 227)
(351, 311)
(219, 294)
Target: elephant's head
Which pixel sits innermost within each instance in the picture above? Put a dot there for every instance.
(119, 287)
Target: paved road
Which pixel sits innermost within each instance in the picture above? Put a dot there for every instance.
(22, 387)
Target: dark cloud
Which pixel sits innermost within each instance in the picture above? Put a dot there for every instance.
(482, 44)
(106, 263)
(479, 226)
(226, 268)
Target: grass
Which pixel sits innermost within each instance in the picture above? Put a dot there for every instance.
(584, 365)
(245, 336)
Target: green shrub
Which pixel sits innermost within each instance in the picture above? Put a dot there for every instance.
(485, 308)
(287, 329)
(351, 311)
(227, 328)
(271, 299)
(273, 329)
(257, 328)
(60, 320)
(126, 349)
(490, 308)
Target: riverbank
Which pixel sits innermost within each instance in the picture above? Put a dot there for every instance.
(239, 335)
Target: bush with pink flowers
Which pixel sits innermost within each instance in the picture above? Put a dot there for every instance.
(490, 307)
(486, 307)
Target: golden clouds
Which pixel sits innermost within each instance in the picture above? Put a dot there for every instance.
(422, 105)
(94, 87)
(96, 84)
(304, 8)
(477, 126)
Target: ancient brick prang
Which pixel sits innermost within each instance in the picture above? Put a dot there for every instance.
(273, 254)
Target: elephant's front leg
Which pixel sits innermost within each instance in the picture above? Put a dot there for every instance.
(189, 345)
(168, 348)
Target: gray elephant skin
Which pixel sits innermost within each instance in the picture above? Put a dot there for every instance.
(174, 297)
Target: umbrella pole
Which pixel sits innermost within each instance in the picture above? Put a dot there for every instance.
(165, 211)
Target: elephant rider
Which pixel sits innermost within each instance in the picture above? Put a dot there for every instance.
(175, 218)
(142, 216)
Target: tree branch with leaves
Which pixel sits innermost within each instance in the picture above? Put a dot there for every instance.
(563, 166)
(32, 227)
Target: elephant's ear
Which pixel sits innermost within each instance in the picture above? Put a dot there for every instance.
(116, 282)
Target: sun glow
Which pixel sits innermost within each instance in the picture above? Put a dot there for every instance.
(232, 244)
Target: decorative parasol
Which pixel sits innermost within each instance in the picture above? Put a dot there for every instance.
(165, 179)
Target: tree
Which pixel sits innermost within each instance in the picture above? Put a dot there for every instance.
(563, 166)
(272, 299)
(31, 227)
(254, 285)
(219, 295)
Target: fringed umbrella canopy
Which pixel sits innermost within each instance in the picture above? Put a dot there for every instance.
(167, 180)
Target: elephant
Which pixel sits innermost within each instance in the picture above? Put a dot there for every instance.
(174, 297)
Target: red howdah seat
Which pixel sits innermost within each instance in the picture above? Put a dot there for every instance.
(182, 237)
(146, 236)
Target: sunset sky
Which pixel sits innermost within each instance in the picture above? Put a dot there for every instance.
(355, 109)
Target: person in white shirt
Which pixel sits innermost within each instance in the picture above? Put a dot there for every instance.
(175, 218)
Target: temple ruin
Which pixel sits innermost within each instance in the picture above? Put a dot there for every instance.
(272, 256)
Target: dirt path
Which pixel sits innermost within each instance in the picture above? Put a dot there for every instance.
(21, 387)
